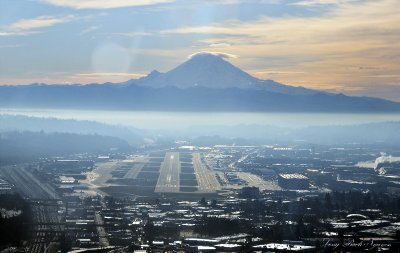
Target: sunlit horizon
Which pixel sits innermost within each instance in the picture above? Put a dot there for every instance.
(347, 46)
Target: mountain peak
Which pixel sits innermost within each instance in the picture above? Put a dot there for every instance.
(205, 59)
(204, 69)
(213, 70)
(151, 77)
(216, 56)
(154, 73)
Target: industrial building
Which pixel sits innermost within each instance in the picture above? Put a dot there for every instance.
(293, 181)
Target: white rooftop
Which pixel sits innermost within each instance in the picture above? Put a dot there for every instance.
(293, 176)
(281, 246)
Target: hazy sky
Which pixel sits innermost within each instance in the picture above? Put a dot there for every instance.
(350, 46)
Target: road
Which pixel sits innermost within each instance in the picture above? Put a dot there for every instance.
(103, 236)
(43, 205)
(168, 181)
(47, 229)
(27, 184)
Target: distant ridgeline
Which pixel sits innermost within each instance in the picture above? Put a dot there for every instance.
(203, 83)
(24, 146)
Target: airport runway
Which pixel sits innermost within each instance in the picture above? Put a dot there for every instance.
(168, 181)
(256, 181)
(205, 178)
(137, 166)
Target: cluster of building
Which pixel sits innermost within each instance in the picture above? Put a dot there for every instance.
(5, 186)
(269, 198)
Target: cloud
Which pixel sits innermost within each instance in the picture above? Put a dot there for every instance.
(134, 34)
(31, 26)
(96, 74)
(110, 74)
(280, 72)
(100, 77)
(343, 45)
(322, 2)
(89, 30)
(223, 1)
(340, 48)
(220, 29)
(96, 4)
(271, 1)
(10, 46)
(70, 78)
(219, 44)
(39, 22)
(219, 54)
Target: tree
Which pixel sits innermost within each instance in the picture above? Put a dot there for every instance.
(328, 201)
(300, 228)
(149, 231)
(203, 201)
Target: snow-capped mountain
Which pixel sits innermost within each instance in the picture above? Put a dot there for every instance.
(213, 71)
(205, 82)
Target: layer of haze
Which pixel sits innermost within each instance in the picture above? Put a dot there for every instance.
(181, 120)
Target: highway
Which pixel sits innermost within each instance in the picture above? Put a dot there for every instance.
(168, 181)
(43, 205)
(27, 184)
(103, 236)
